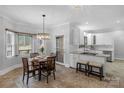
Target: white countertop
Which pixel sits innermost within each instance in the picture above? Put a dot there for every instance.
(97, 54)
(106, 49)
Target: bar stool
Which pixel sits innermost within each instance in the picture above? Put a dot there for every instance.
(82, 66)
(95, 65)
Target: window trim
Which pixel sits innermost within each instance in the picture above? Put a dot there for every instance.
(24, 42)
(12, 45)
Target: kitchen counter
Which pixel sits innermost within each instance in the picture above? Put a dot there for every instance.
(88, 56)
(77, 56)
(91, 53)
(106, 49)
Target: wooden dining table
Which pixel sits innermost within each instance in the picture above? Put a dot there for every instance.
(40, 61)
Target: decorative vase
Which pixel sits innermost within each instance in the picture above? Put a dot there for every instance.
(42, 51)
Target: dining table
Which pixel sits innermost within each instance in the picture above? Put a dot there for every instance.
(40, 61)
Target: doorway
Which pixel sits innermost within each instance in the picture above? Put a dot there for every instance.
(60, 49)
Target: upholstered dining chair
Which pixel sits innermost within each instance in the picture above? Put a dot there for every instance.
(49, 67)
(27, 69)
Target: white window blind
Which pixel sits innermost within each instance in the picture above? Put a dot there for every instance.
(10, 44)
(25, 44)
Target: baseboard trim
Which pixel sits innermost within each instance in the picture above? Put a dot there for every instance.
(119, 58)
(59, 63)
(6, 70)
(67, 65)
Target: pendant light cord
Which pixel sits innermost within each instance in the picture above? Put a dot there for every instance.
(43, 23)
(43, 27)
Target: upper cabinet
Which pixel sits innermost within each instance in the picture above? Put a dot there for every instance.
(99, 39)
(103, 39)
(91, 39)
(75, 36)
(81, 38)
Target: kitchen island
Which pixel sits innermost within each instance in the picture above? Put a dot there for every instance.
(77, 56)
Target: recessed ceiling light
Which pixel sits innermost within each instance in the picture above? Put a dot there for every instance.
(77, 6)
(118, 21)
(86, 23)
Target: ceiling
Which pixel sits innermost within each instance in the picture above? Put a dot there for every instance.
(89, 17)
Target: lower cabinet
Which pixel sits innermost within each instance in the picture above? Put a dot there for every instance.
(109, 59)
(73, 60)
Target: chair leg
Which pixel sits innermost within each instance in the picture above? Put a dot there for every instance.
(23, 76)
(54, 75)
(39, 72)
(48, 75)
(27, 78)
(77, 67)
(33, 73)
(85, 69)
(101, 73)
(88, 70)
(47, 78)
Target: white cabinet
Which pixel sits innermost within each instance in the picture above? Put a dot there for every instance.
(103, 39)
(81, 38)
(89, 39)
(75, 36)
(73, 60)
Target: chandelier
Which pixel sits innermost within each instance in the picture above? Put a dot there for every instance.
(44, 36)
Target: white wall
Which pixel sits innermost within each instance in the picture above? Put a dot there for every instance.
(104, 39)
(6, 62)
(114, 37)
(5, 22)
(59, 30)
(119, 43)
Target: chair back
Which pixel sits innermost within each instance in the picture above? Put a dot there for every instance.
(35, 64)
(33, 55)
(25, 64)
(51, 63)
(52, 54)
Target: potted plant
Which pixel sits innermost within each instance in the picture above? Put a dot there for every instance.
(42, 49)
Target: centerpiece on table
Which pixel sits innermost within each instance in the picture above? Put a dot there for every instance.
(42, 49)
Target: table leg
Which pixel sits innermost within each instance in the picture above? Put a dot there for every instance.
(39, 72)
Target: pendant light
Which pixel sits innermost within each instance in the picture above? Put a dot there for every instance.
(43, 36)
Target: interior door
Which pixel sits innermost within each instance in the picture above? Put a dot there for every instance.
(59, 49)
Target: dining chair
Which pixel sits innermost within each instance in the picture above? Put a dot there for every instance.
(27, 69)
(34, 63)
(52, 54)
(32, 55)
(49, 67)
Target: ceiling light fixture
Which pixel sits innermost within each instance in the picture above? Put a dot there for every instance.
(118, 21)
(44, 36)
(86, 23)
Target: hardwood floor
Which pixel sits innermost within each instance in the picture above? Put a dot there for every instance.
(67, 78)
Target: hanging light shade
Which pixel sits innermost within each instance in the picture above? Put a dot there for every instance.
(44, 36)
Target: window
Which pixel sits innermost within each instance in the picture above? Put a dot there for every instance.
(17, 43)
(25, 43)
(10, 44)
